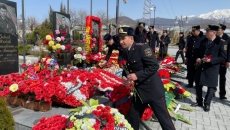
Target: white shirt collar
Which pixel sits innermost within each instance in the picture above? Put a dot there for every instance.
(213, 39)
(130, 47)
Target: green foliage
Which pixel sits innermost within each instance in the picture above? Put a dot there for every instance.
(28, 38)
(84, 103)
(6, 119)
(20, 49)
(50, 18)
(62, 8)
(32, 35)
(44, 31)
(78, 36)
(93, 102)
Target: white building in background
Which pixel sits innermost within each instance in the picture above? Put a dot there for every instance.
(227, 31)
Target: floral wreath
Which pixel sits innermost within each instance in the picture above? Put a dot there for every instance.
(88, 45)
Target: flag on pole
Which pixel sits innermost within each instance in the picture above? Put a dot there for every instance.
(124, 1)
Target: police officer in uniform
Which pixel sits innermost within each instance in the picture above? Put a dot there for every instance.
(112, 43)
(208, 70)
(152, 38)
(181, 47)
(193, 46)
(63, 27)
(223, 66)
(164, 42)
(142, 67)
(140, 33)
(6, 24)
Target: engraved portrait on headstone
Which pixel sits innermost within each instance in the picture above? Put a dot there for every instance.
(8, 38)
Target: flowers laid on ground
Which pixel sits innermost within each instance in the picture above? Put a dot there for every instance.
(54, 45)
(97, 117)
(169, 64)
(79, 55)
(57, 122)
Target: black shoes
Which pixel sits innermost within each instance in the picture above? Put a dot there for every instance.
(206, 108)
(197, 104)
(223, 97)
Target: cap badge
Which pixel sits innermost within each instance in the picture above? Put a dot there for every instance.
(121, 31)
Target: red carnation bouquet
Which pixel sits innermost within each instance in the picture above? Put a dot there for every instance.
(164, 74)
(206, 57)
(125, 68)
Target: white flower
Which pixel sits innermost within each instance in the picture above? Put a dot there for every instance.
(79, 49)
(84, 127)
(79, 56)
(75, 56)
(83, 58)
(62, 47)
(106, 49)
(92, 121)
(28, 62)
(58, 39)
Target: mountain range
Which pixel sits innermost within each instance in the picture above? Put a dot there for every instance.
(215, 17)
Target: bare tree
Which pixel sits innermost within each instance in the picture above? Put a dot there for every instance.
(31, 22)
(81, 14)
(73, 18)
(102, 15)
(120, 18)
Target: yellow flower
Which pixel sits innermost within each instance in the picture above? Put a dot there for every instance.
(43, 59)
(47, 47)
(49, 51)
(13, 87)
(51, 43)
(54, 47)
(49, 60)
(58, 46)
(48, 37)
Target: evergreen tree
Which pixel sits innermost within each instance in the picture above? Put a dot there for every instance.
(77, 35)
(6, 120)
(62, 8)
(50, 18)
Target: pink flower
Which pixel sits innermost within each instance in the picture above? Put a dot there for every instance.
(68, 75)
(87, 33)
(94, 39)
(57, 31)
(93, 45)
(62, 38)
(91, 31)
(68, 46)
(56, 67)
(84, 40)
(53, 39)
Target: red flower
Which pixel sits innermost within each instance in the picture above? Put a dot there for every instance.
(58, 51)
(145, 36)
(224, 62)
(71, 50)
(30, 99)
(46, 42)
(64, 32)
(68, 46)
(71, 125)
(23, 65)
(51, 35)
(122, 63)
(208, 57)
(186, 48)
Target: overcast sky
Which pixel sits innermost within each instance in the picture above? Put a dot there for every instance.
(132, 9)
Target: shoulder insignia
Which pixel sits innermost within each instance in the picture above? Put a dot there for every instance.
(225, 47)
(148, 52)
(222, 39)
(139, 44)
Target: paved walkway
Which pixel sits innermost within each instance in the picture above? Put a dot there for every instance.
(217, 119)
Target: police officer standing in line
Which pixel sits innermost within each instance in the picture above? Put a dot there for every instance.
(164, 42)
(140, 33)
(152, 38)
(193, 46)
(181, 47)
(6, 24)
(142, 67)
(188, 37)
(223, 67)
(112, 43)
(208, 70)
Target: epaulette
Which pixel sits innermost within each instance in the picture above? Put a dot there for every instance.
(222, 39)
(139, 44)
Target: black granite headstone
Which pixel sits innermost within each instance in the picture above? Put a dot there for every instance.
(8, 38)
(74, 35)
(81, 36)
(61, 22)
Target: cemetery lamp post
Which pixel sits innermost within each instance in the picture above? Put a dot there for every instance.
(181, 21)
(151, 9)
(23, 32)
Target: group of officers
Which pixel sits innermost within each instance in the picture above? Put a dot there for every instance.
(137, 47)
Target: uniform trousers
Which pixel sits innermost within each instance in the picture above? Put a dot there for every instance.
(191, 75)
(182, 55)
(222, 81)
(208, 97)
(160, 110)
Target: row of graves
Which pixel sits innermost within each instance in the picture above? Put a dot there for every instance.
(67, 90)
